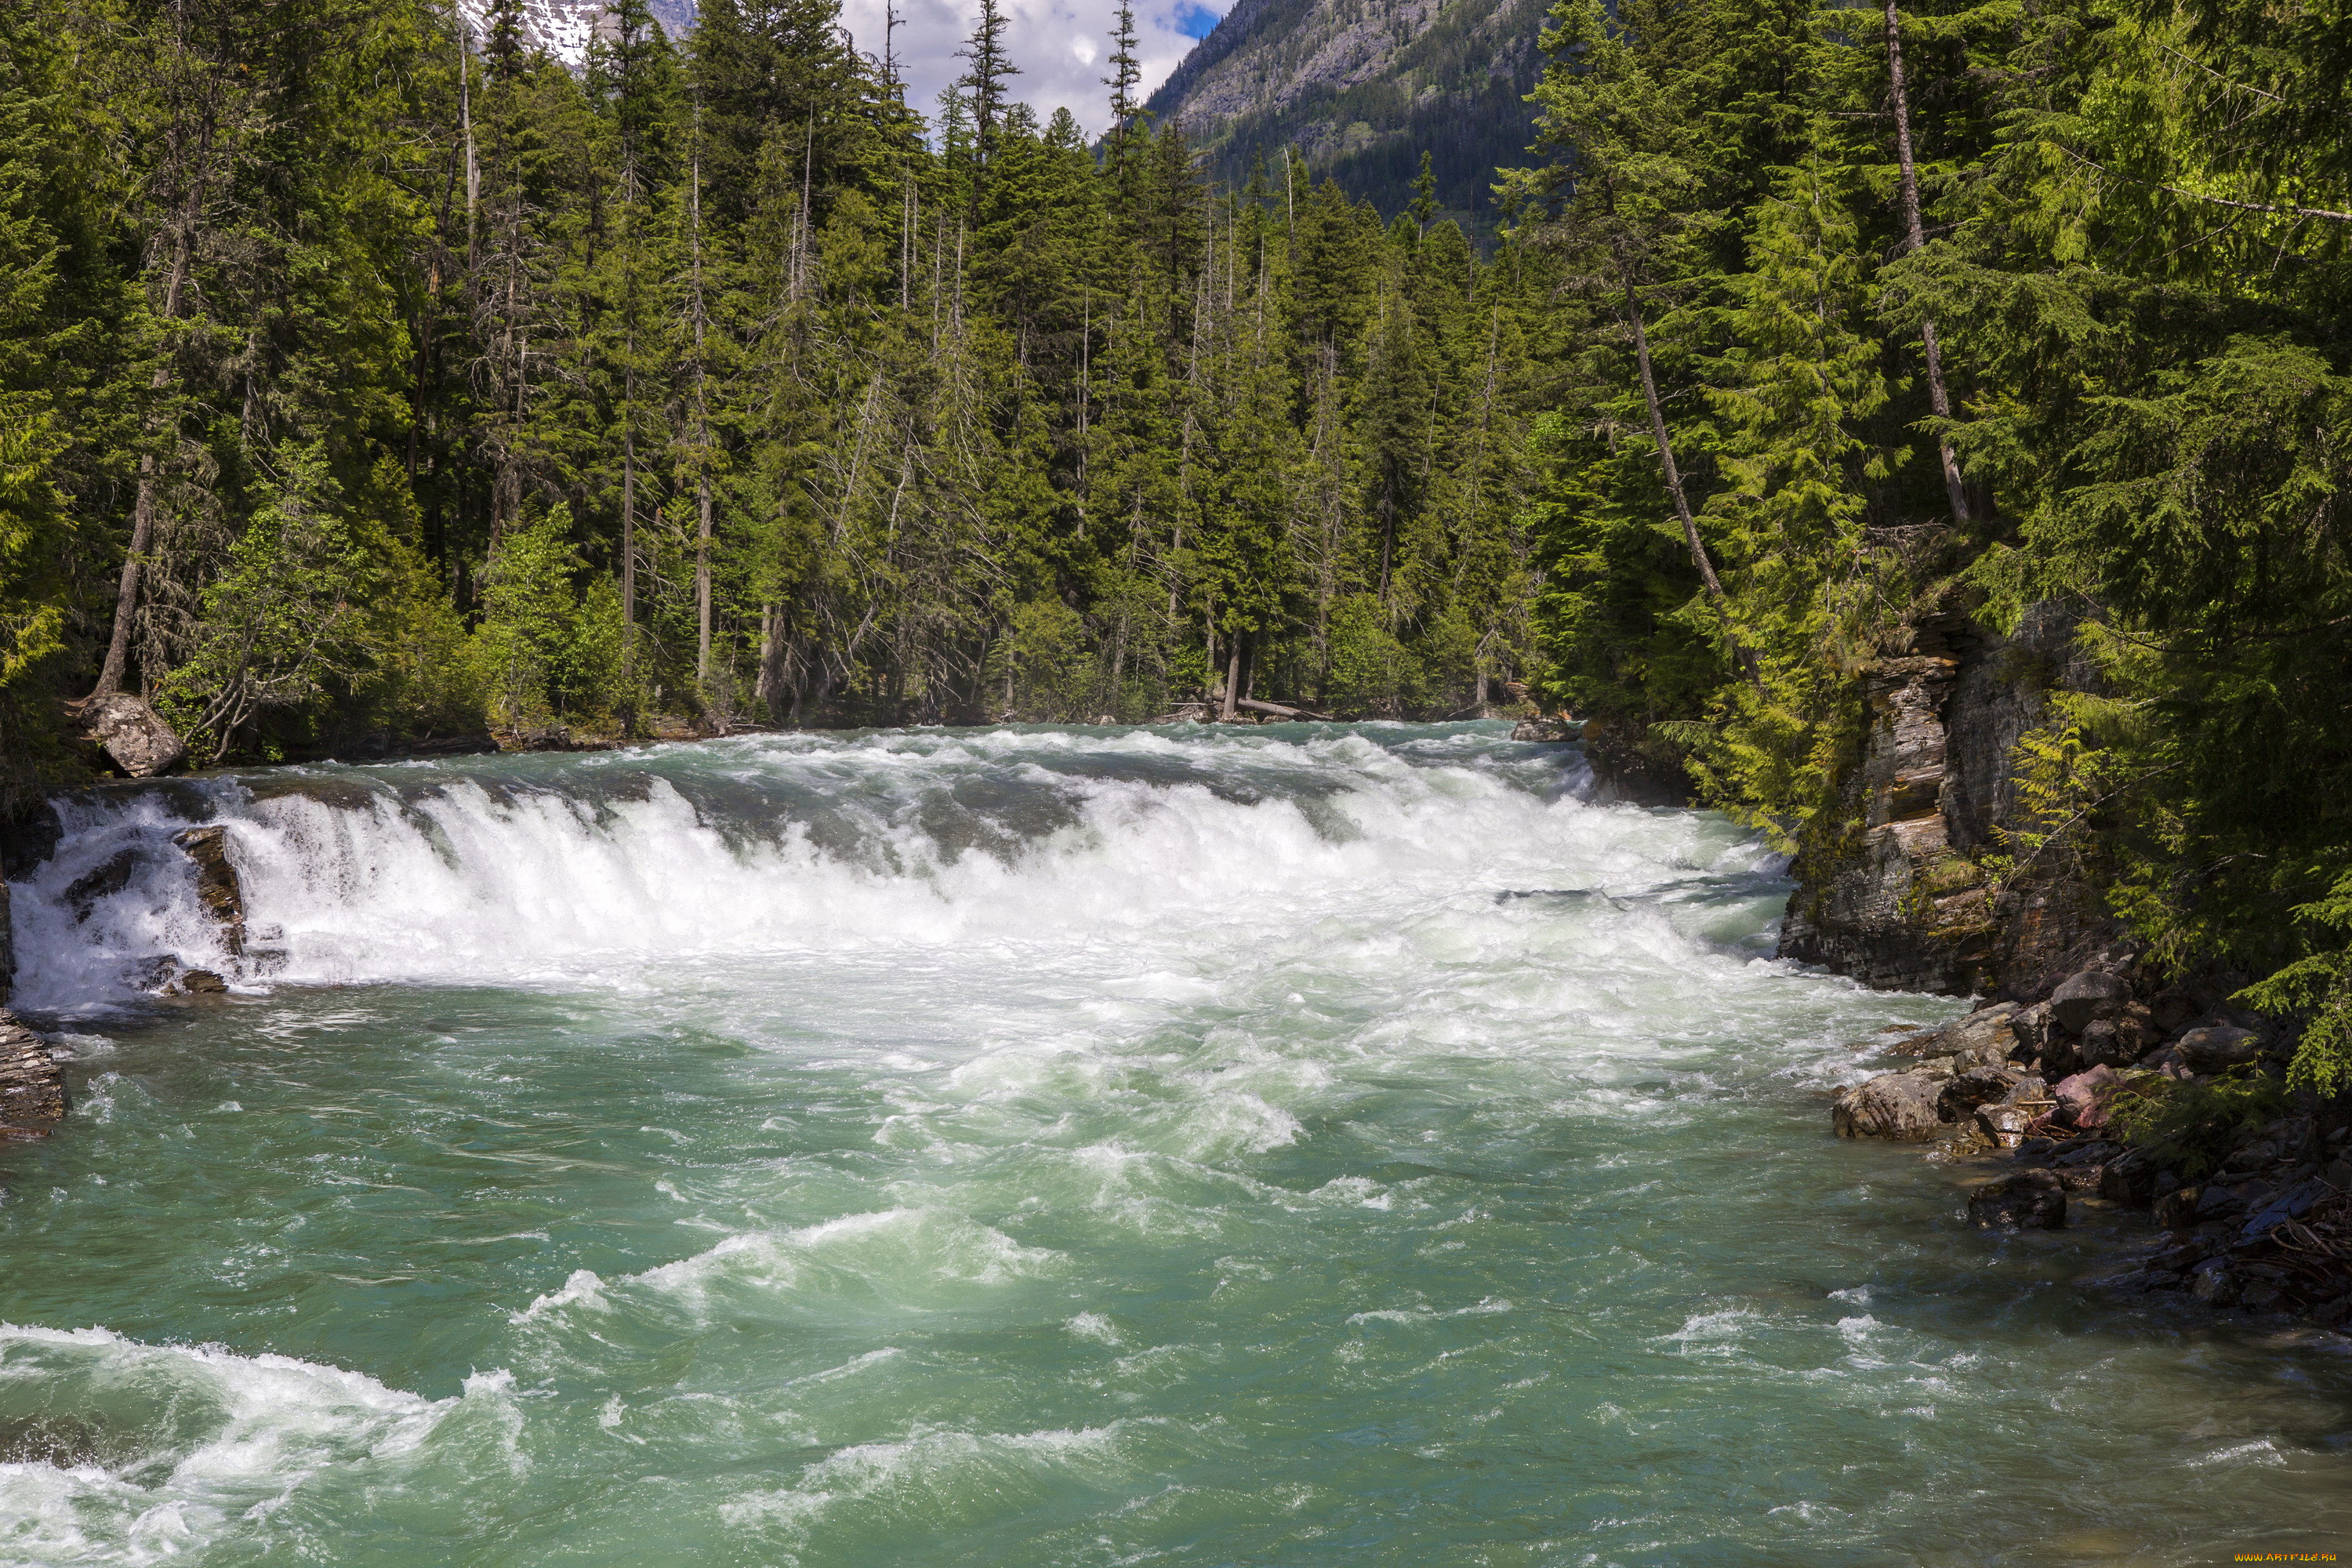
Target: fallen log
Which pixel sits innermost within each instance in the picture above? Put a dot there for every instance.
(1279, 711)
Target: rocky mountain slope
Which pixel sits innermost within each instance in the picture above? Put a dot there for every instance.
(1360, 87)
(563, 27)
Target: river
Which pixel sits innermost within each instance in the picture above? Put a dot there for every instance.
(1292, 1145)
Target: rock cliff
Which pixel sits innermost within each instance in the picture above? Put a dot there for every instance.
(1892, 892)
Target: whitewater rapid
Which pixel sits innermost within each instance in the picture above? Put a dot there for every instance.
(1305, 1144)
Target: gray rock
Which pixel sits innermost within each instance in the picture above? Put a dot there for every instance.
(1546, 729)
(1898, 1105)
(7, 947)
(2219, 1046)
(2086, 996)
(132, 734)
(2029, 1200)
(2004, 1124)
(2083, 1178)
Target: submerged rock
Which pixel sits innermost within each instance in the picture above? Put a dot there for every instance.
(132, 734)
(1898, 1105)
(2029, 1200)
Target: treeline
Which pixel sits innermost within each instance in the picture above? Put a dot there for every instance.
(1887, 319)
(365, 372)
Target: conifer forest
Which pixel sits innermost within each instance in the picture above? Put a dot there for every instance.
(364, 373)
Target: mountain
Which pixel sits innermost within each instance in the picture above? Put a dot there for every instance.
(563, 27)
(1360, 87)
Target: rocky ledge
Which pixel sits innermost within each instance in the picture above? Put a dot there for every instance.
(2258, 1217)
(32, 1088)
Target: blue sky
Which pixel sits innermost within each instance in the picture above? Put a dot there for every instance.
(1059, 45)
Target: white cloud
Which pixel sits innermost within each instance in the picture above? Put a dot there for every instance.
(1060, 45)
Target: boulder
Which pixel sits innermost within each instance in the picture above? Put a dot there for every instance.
(2178, 1211)
(2218, 1047)
(1985, 1032)
(2086, 996)
(216, 885)
(1898, 1105)
(2084, 1099)
(2029, 1200)
(2212, 1283)
(2005, 1125)
(1545, 730)
(195, 982)
(131, 734)
(2103, 1043)
(1981, 1085)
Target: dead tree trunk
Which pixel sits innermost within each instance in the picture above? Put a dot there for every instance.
(1938, 398)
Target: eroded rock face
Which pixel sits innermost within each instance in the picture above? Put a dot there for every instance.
(132, 734)
(2029, 1200)
(1889, 890)
(7, 947)
(1898, 1105)
(216, 885)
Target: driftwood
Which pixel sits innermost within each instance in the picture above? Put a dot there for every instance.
(1279, 711)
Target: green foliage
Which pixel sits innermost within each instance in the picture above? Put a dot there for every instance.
(547, 650)
(2191, 1127)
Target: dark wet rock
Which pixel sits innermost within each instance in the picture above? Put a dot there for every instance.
(2293, 1204)
(2219, 1046)
(195, 982)
(84, 891)
(2085, 1179)
(32, 1089)
(65, 1441)
(2085, 997)
(1545, 730)
(2219, 1202)
(2178, 1211)
(2029, 1200)
(2103, 1043)
(216, 885)
(2212, 1283)
(2088, 1151)
(2085, 1098)
(1898, 1105)
(133, 735)
(2132, 1177)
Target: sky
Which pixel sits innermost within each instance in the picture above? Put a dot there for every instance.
(1060, 45)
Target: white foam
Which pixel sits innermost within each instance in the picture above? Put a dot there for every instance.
(201, 1437)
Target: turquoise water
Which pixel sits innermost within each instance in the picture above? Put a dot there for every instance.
(1299, 1145)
